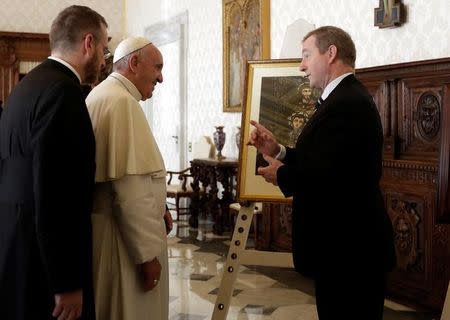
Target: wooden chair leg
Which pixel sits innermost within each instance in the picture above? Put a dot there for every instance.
(177, 206)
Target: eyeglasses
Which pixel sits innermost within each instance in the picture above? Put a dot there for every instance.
(107, 54)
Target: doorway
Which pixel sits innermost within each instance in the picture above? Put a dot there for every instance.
(166, 111)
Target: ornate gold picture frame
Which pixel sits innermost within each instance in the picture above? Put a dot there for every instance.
(279, 97)
(246, 36)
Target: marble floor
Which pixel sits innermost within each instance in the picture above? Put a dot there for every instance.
(196, 262)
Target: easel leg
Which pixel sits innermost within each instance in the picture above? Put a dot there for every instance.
(238, 243)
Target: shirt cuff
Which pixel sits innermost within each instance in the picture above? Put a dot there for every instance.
(282, 154)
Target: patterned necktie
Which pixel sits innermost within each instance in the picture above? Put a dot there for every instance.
(318, 103)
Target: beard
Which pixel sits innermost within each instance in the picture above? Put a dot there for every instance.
(92, 70)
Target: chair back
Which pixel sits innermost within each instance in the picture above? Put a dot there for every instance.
(179, 190)
(183, 176)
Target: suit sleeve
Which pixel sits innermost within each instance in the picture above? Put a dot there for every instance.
(63, 179)
(138, 211)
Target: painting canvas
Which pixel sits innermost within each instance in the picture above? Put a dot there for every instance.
(279, 97)
(245, 37)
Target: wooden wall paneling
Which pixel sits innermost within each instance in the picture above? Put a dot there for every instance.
(28, 46)
(420, 114)
(281, 227)
(16, 47)
(410, 193)
(9, 69)
(380, 92)
(443, 211)
(264, 233)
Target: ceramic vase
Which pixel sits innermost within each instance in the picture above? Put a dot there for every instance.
(219, 141)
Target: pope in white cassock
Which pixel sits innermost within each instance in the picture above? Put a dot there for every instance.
(129, 218)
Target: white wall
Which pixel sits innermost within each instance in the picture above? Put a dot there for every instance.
(37, 15)
(423, 36)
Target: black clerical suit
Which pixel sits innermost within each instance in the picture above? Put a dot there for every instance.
(342, 235)
(47, 152)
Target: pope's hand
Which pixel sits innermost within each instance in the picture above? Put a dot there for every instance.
(168, 221)
(150, 273)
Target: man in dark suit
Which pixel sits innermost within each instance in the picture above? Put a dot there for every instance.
(342, 236)
(47, 154)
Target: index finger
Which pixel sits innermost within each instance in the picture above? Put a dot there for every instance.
(259, 126)
(57, 310)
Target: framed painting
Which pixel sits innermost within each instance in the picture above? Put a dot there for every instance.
(279, 97)
(246, 36)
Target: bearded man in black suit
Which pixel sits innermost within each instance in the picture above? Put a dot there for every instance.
(47, 153)
(342, 236)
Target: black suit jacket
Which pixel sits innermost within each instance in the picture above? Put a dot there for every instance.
(339, 218)
(47, 152)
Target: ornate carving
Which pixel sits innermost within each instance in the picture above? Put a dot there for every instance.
(416, 172)
(429, 116)
(210, 172)
(405, 220)
(409, 165)
(286, 219)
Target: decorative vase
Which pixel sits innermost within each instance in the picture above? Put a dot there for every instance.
(238, 137)
(219, 141)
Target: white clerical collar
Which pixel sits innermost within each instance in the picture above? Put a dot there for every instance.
(333, 84)
(127, 84)
(67, 65)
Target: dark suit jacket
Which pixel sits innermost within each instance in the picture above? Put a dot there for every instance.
(47, 152)
(339, 218)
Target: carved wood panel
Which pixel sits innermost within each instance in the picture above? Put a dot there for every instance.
(276, 230)
(421, 112)
(421, 246)
(380, 92)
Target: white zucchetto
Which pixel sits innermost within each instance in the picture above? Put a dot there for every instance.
(128, 46)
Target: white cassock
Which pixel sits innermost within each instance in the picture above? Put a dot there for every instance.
(129, 204)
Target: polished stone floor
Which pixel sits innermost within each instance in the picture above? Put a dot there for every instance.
(196, 262)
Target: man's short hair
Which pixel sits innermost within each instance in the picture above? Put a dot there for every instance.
(329, 35)
(72, 24)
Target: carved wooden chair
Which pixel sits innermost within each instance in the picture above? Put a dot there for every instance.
(179, 190)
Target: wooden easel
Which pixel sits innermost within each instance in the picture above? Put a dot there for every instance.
(238, 255)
